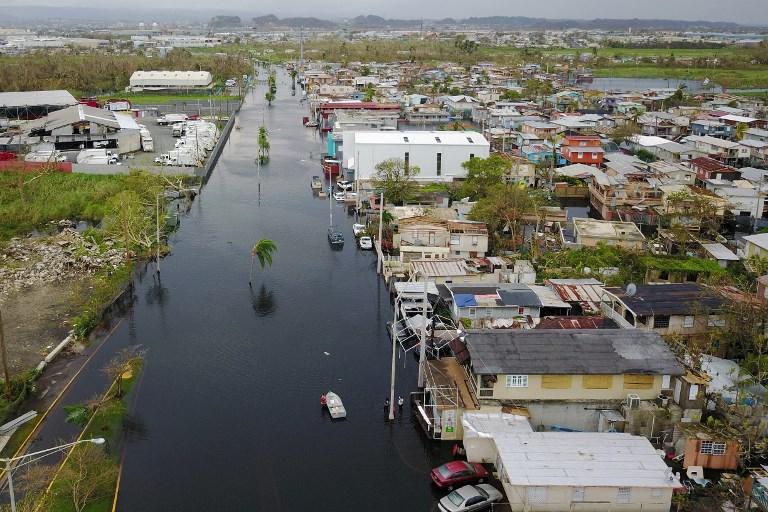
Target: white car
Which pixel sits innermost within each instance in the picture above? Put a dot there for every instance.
(358, 229)
(470, 498)
(365, 243)
(340, 196)
(344, 185)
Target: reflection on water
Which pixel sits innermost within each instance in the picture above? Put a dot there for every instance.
(263, 302)
(134, 428)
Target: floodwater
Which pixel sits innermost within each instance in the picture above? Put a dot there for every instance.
(227, 414)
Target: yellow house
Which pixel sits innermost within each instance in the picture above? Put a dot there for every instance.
(569, 364)
(756, 245)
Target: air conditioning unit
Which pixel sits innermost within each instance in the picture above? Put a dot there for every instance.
(633, 401)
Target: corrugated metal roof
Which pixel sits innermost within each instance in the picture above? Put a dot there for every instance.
(441, 268)
(669, 299)
(720, 252)
(59, 98)
(586, 292)
(582, 459)
(570, 352)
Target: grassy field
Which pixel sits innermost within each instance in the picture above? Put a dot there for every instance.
(728, 78)
(158, 99)
(29, 201)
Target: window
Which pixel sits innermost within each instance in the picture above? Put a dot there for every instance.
(521, 310)
(472, 312)
(665, 381)
(556, 381)
(715, 321)
(407, 161)
(660, 321)
(597, 381)
(471, 156)
(635, 381)
(688, 321)
(470, 140)
(517, 381)
(624, 495)
(474, 239)
(656, 493)
(712, 448)
(693, 392)
(581, 154)
(577, 494)
(594, 156)
(455, 239)
(405, 139)
(437, 139)
(439, 163)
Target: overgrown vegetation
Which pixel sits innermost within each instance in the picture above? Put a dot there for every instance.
(93, 72)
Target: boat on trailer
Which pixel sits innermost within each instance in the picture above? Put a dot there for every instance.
(334, 404)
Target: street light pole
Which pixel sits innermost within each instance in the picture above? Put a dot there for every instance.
(37, 456)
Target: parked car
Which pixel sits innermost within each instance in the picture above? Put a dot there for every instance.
(458, 472)
(469, 498)
(344, 185)
(340, 196)
(358, 229)
(335, 236)
(366, 243)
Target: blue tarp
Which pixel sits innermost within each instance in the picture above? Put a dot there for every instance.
(464, 300)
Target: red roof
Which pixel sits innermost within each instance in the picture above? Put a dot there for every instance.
(359, 105)
(710, 165)
(573, 322)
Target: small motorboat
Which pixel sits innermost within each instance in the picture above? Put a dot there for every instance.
(334, 404)
(317, 183)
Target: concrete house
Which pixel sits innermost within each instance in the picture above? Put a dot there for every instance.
(504, 305)
(756, 245)
(578, 471)
(590, 232)
(469, 239)
(542, 365)
(687, 309)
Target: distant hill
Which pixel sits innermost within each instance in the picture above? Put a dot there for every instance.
(225, 22)
(271, 21)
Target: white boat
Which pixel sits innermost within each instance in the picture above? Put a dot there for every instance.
(334, 404)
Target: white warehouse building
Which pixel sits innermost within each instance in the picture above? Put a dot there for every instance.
(439, 154)
(170, 80)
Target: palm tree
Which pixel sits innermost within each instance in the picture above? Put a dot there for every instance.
(263, 250)
(270, 97)
(741, 130)
(263, 141)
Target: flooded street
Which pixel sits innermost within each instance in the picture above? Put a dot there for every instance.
(227, 414)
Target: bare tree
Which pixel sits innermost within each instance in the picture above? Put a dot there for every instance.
(87, 476)
(117, 367)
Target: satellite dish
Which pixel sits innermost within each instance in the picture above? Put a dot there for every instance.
(631, 289)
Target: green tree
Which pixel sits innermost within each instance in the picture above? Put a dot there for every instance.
(395, 179)
(270, 97)
(510, 95)
(263, 250)
(741, 130)
(483, 174)
(129, 219)
(504, 209)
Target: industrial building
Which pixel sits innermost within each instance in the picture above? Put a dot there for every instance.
(33, 104)
(439, 155)
(84, 127)
(170, 81)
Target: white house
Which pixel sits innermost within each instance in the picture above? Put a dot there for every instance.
(556, 471)
(438, 155)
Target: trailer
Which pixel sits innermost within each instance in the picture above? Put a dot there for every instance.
(171, 119)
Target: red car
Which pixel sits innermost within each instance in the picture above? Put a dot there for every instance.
(457, 473)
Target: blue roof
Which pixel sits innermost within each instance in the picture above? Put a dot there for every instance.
(463, 300)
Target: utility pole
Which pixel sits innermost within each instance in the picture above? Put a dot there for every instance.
(380, 266)
(157, 225)
(423, 343)
(6, 373)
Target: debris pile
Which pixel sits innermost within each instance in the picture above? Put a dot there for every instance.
(43, 260)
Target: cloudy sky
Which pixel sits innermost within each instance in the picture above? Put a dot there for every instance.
(742, 11)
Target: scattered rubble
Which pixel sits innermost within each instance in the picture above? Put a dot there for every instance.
(26, 262)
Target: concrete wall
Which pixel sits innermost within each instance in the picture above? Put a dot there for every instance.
(576, 391)
(465, 245)
(560, 498)
(367, 156)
